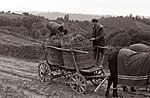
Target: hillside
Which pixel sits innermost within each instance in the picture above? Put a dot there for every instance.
(122, 23)
(21, 34)
(116, 23)
(109, 23)
(11, 15)
(82, 17)
(13, 40)
(143, 27)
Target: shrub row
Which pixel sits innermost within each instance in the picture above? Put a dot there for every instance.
(25, 52)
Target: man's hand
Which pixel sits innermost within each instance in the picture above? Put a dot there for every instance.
(92, 39)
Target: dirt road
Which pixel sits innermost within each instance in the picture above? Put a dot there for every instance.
(19, 79)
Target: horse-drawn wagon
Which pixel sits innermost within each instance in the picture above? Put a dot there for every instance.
(76, 64)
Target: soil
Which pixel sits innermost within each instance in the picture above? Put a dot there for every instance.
(19, 79)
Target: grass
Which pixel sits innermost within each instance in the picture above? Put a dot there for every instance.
(20, 41)
(11, 16)
(7, 38)
(2, 34)
(116, 22)
(143, 27)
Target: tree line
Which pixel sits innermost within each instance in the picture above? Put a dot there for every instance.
(138, 18)
(34, 26)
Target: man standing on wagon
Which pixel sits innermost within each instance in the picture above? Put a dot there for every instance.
(98, 39)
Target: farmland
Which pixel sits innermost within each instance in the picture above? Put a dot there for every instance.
(19, 78)
(10, 39)
(20, 54)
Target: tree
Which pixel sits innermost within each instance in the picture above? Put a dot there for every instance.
(115, 32)
(134, 35)
(5, 21)
(66, 17)
(131, 16)
(121, 40)
(26, 13)
(29, 20)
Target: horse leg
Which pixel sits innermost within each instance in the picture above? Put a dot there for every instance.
(108, 86)
(115, 94)
(113, 72)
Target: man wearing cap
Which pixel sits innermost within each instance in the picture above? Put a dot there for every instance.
(98, 39)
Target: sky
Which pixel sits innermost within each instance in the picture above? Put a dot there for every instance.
(96, 7)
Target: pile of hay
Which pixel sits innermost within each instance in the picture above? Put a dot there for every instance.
(79, 43)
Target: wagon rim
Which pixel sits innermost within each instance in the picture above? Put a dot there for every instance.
(78, 83)
(44, 72)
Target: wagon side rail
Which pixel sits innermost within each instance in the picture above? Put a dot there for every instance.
(72, 52)
(69, 50)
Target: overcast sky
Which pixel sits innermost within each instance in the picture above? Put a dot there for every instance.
(98, 7)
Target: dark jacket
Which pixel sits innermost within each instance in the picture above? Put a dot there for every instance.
(98, 34)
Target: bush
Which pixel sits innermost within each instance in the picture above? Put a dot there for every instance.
(128, 36)
(25, 52)
(122, 40)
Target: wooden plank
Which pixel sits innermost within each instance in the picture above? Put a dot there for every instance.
(105, 47)
(61, 49)
(95, 76)
(91, 69)
(106, 78)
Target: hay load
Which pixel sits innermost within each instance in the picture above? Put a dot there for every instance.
(79, 43)
(54, 56)
(74, 40)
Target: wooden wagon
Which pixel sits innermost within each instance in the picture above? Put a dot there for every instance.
(77, 74)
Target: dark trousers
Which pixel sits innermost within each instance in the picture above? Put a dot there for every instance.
(97, 52)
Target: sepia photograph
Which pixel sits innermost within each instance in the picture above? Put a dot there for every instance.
(75, 49)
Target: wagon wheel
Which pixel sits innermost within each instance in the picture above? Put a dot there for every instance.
(97, 81)
(44, 72)
(78, 83)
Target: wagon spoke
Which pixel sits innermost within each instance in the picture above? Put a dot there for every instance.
(78, 83)
(77, 78)
(83, 85)
(42, 78)
(42, 67)
(82, 88)
(73, 83)
(44, 72)
(82, 81)
(73, 79)
(75, 87)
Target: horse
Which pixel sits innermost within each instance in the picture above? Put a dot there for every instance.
(121, 57)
